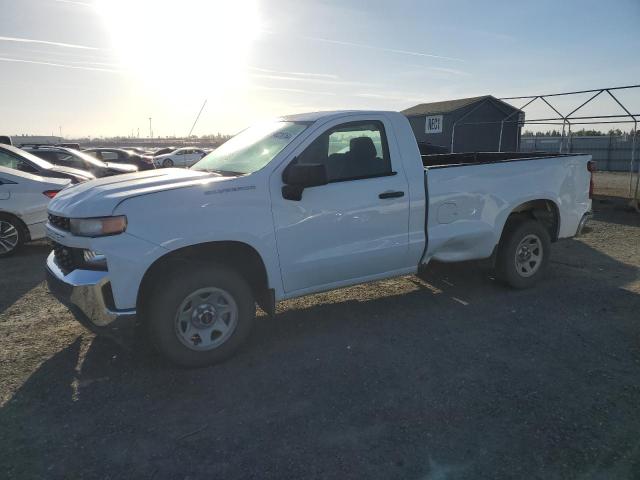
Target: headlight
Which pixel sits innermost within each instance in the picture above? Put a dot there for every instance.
(98, 227)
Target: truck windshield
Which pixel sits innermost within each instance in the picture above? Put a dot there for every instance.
(251, 149)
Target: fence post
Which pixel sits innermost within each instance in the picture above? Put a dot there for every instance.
(609, 152)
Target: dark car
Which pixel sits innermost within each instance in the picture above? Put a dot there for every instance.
(13, 157)
(68, 157)
(119, 155)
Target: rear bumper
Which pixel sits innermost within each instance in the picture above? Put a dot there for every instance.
(87, 293)
(583, 221)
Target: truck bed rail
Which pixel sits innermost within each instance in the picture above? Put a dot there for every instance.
(472, 158)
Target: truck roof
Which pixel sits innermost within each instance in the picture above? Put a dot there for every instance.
(313, 116)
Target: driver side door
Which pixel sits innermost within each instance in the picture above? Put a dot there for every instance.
(356, 226)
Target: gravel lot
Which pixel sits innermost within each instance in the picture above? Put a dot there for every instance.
(447, 376)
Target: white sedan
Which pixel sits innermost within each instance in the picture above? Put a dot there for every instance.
(23, 207)
(182, 157)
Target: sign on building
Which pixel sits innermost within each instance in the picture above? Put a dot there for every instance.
(433, 124)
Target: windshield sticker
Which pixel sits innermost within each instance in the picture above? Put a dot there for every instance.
(282, 135)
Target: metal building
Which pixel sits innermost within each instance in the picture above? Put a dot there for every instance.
(476, 124)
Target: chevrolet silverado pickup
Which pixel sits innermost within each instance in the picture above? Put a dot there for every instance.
(294, 206)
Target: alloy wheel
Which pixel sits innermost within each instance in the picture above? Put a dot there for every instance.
(9, 237)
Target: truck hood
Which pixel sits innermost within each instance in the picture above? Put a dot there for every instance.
(100, 197)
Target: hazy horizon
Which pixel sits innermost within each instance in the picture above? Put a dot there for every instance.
(84, 68)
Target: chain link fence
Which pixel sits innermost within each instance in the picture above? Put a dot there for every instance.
(611, 152)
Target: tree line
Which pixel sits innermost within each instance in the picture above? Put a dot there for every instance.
(581, 133)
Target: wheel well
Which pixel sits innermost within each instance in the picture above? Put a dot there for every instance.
(544, 211)
(21, 224)
(240, 256)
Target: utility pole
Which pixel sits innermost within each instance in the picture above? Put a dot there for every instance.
(150, 130)
(60, 130)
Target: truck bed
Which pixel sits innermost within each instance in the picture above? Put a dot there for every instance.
(468, 207)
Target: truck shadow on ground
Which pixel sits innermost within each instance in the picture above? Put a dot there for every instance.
(449, 374)
(615, 210)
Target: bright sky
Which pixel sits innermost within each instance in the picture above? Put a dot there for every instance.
(103, 67)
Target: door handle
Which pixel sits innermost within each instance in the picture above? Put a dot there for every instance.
(391, 194)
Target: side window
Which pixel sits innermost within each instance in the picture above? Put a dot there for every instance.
(68, 160)
(109, 156)
(351, 151)
(25, 167)
(46, 155)
(8, 161)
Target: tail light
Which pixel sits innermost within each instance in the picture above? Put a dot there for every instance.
(591, 167)
(50, 193)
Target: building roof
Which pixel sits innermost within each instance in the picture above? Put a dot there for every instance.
(450, 105)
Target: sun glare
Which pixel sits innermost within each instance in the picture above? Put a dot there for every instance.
(183, 49)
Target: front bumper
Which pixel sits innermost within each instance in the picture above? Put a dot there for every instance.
(87, 293)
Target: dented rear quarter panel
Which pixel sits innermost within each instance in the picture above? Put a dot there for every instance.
(469, 204)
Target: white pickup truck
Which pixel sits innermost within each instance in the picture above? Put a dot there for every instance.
(295, 206)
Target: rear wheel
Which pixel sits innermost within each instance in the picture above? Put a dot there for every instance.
(200, 317)
(11, 235)
(167, 162)
(523, 252)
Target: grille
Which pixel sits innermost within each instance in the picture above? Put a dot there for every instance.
(67, 258)
(60, 222)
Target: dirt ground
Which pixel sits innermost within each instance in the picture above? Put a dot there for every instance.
(446, 376)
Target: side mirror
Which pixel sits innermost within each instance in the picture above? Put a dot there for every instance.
(299, 176)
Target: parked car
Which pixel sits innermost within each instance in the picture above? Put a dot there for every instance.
(182, 157)
(14, 157)
(162, 151)
(23, 207)
(276, 213)
(119, 155)
(76, 159)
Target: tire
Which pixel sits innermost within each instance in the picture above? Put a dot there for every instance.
(523, 253)
(12, 235)
(183, 319)
(167, 163)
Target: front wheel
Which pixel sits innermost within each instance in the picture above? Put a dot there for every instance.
(200, 316)
(523, 253)
(167, 163)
